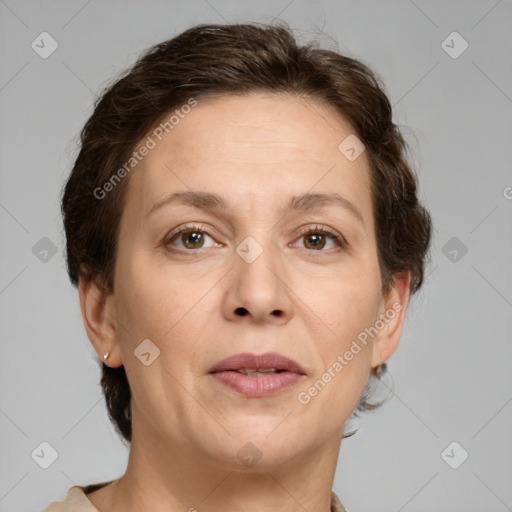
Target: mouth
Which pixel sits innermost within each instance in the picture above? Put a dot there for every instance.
(257, 375)
(253, 372)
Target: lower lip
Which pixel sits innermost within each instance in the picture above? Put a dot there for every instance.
(264, 385)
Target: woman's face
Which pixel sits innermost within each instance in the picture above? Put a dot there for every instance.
(251, 179)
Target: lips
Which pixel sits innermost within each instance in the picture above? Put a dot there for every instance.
(257, 375)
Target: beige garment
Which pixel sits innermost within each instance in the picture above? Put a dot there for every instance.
(77, 501)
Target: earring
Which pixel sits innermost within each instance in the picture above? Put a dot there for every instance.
(105, 357)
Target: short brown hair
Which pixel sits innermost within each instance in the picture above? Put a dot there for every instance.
(234, 59)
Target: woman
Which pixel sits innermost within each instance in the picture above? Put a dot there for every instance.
(245, 234)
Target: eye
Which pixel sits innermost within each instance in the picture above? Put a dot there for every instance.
(190, 237)
(318, 237)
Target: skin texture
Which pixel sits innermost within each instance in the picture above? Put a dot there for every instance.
(309, 304)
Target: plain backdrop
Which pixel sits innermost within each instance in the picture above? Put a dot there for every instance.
(451, 374)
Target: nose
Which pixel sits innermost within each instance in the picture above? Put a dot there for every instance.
(257, 290)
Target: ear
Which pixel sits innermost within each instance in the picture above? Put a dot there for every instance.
(392, 316)
(96, 307)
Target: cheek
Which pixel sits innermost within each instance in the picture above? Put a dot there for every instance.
(346, 302)
(149, 300)
(165, 306)
(165, 309)
(344, 354)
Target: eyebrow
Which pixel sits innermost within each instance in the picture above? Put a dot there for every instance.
(304, 202)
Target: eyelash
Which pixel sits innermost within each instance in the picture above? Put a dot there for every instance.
(191, 228)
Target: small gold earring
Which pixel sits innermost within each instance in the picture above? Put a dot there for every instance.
(105, 357)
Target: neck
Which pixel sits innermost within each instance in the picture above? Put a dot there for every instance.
(181, 478)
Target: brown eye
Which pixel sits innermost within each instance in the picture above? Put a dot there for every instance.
(192, 239)
(189, 238)
(318, 239)
(314, 241)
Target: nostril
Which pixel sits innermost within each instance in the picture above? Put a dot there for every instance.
(277, 312)
(241, 311)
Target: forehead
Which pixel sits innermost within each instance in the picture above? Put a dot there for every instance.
(275, 125)
(256, 145)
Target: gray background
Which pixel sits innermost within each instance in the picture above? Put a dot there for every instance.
(452, 377)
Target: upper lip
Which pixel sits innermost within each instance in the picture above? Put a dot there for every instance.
(247, 361)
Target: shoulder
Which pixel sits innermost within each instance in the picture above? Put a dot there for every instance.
(76, 500)
(336, 505)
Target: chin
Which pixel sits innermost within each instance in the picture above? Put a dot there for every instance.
(260, 444)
